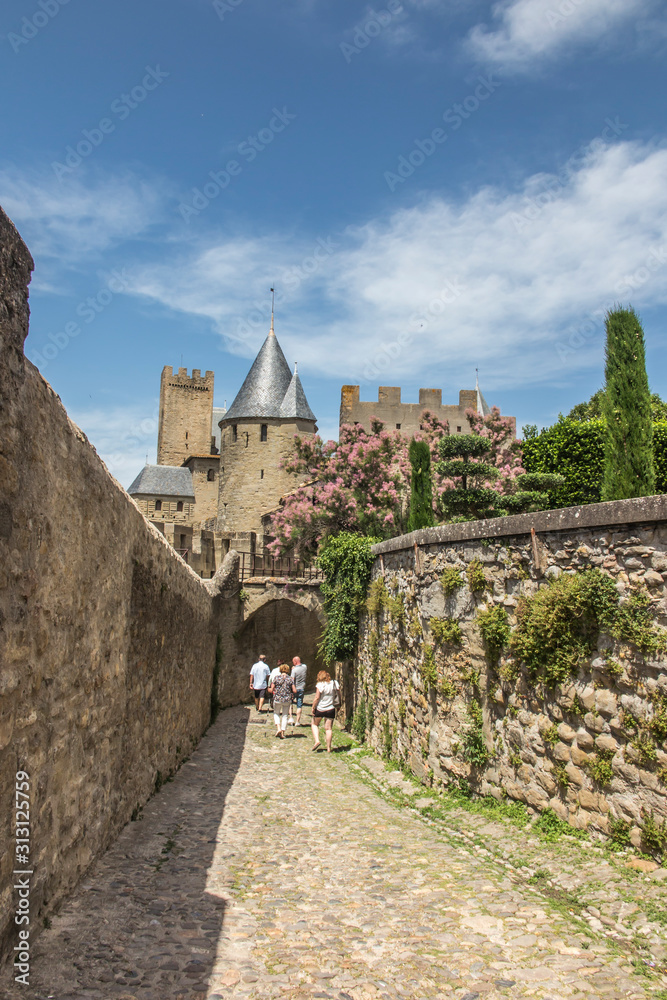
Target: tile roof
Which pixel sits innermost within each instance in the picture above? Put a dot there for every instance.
(164, 481)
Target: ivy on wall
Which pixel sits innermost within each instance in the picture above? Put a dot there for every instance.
(346, 561)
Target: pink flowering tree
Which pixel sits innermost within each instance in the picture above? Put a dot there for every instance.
(359, 485)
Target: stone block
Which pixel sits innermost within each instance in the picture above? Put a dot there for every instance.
(579, 757)
(606, 742)
(584, 740)
(566, 733)
(561, 752)
(574, 774)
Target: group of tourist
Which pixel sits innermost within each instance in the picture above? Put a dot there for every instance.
(287, 687)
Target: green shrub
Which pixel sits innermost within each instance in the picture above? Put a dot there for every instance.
(645, 748)
(551, 827)
(654, 834)
(446, 631)
(550, 735)
(495, 630)
(476, 578)
(561, 775)
(377, 596)
(620, 832)
(395, 608)
(600, 768)
(575, 449)
(451, 579)
(558, 628)
(429, 670)
(374, 649)
(472, 738)
(448, 690)
(359, 721)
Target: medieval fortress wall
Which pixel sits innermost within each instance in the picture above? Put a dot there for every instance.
(107, 638)
(545, 744)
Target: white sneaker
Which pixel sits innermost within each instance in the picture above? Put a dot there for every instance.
(291, 721)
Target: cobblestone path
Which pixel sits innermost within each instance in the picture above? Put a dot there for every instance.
(266, 870)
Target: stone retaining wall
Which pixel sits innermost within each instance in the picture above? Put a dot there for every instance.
(107, 638)
(542, 742)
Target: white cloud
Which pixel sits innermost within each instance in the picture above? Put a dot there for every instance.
(71, 219)
(527, 31)
(494, 280)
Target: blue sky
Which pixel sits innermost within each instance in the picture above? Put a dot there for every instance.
(433, 185)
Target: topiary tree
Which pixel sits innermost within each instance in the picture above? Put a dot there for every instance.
(462, 461)
(532, 491)
(626, 408)
(421, 489)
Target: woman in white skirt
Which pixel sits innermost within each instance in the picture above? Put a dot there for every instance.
(323, 708)
(282, 690)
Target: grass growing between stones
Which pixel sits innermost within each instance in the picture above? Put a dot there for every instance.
(558, 861)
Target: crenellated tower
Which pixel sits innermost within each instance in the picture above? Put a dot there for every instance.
(186, 415)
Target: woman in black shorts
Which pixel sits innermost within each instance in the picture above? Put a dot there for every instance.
(323, 708)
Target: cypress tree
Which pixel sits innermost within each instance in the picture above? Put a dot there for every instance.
(421, 490)
(626, 407)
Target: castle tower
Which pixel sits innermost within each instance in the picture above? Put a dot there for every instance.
(186, 415)
(257, 435)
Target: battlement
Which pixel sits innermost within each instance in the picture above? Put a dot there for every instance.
(182, 379)
(406, 417)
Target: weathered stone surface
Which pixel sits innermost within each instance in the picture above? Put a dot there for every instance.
(108, 639)
(520, 715)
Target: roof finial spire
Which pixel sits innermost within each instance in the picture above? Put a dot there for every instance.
(477, 379)
(296, 368)
(273, 299)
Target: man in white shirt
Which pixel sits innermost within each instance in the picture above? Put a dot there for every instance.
(259, 677)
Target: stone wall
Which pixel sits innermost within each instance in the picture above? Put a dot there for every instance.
(107, 638)
(405, 417)
(252, 480)
(431, 698)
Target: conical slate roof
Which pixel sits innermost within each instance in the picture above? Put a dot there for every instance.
(295, 403)
(265, 385)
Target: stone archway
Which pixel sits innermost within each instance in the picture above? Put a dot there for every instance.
(282, 628)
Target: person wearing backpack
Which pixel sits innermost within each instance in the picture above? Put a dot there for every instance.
(325, 703)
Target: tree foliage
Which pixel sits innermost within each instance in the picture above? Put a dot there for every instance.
(575, 450)
(626, 409)
(421, 490)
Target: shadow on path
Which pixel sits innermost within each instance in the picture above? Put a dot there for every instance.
(160, 942)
